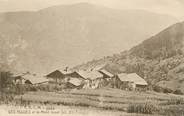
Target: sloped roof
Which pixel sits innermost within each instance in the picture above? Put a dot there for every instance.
(75, 81)
(35, 79)
(106, 73)
(133, 77)
(17, 74)
(55, 74)
(122, 76)
(20, 74)
(75, 74)
(58, 73)
(90, 74)
(65, 72)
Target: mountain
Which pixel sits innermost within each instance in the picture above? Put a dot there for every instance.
(165, 44)
(67, 35)
(159, 59)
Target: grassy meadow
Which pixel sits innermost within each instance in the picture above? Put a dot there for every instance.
(110, 100)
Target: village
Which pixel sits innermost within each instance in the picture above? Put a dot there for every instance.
(82, 79)
(95, 90)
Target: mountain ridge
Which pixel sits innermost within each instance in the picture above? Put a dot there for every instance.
(48, 39)
(159, 59)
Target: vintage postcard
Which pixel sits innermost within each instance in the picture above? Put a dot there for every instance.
(91, 58)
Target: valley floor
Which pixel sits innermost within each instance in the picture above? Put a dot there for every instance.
(102, 102)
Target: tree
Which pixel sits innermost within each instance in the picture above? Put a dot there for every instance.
(5, 79)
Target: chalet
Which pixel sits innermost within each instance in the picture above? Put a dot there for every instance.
(93, 79)
(58, 76)
(30, 79)
(35, 80)
(131, 81)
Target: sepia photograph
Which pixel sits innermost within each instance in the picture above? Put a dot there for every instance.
(91, 57)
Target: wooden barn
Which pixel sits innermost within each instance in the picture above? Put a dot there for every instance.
(131, 81)
(138, 81)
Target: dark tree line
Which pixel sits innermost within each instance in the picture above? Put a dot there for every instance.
(5, 79)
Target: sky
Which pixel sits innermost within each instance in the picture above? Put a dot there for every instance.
(170, 7)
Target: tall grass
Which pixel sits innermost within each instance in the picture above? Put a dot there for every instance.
(147, 108)
(173, 111)
(175, 101)
(132, 102)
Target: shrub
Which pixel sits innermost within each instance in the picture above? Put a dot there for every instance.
(173, 111)
(5, 79)
(158, 89)
(146, 108)
(6, 98)
(33, 89)
(175, 101)
(167, 90)
(178, 92)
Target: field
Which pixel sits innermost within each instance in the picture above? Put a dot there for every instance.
(108, 101)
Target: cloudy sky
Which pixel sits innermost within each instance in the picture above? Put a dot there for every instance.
(171, 7)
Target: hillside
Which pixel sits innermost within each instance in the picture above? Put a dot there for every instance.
(158, 59)
(70, 34)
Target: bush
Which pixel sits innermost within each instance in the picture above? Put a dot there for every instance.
(146, 108)
(178, 92)
(162, 90)
(33, 89)
(166, 90)
(158, 89)
(6, 98)
(175, 101)
(5, 79)
(173, 111)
